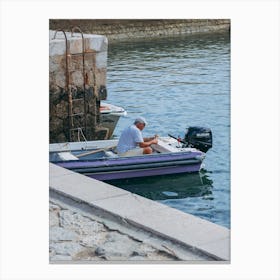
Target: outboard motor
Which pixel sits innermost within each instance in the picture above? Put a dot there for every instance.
(199, 138)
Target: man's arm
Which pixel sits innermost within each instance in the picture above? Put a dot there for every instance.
(147, 139)
(148, 142)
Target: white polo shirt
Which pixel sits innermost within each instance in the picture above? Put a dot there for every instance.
(130, 138)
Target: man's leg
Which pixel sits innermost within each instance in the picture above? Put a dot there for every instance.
(147, 150)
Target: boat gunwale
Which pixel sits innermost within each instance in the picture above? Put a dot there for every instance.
(143, 159)
(132, 166)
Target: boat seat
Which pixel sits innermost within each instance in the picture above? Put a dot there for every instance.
(66, 156)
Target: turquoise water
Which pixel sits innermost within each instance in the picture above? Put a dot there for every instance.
(175, 83)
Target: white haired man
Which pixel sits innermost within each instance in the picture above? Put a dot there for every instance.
(132, 143)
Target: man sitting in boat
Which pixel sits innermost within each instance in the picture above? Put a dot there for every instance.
(132, 143)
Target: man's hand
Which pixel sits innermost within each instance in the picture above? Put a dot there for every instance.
(154, 141)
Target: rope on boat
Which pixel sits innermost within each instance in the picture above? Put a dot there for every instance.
(80, 131)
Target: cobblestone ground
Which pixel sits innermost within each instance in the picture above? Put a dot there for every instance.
(74, 237)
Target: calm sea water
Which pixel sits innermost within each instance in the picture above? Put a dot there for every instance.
(174, 83)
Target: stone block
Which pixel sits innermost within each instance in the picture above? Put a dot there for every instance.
(90, 77)
(56, 63)
(60, 234)
(59, 78)
(58, 137)
(56, 125)
(79, 223)
(76, 78)
(53, 218)
(75, 44)
(66, 248)
(100, 76)
(57, 47)
(60, 110)
(101, 60)
(87, 254)
(117, 247)
(93, 240)
(97, 43)
(54, 207)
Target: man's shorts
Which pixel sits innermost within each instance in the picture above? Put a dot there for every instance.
(133, 152)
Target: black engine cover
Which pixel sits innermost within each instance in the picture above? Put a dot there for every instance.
(199, 138)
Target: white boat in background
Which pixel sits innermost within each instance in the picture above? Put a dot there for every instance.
(106, 108)
(110, 115)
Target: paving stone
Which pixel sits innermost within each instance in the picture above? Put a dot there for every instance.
(66, 248)
(53, 218)
(147, 248)
(61, 234)
(117, 247)
(138, 253)
(92, 240)
(91, 227)
(82, 224)
(99, 251)
(86, 255)
(54, 207)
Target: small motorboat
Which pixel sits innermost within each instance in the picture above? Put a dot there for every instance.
(99, 160)
(110, 115)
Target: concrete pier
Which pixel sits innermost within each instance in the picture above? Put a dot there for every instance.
(77, 84)
(93, 221)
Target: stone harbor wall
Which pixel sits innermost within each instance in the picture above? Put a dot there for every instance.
(77, 84)
(77, 237)
(128, 29)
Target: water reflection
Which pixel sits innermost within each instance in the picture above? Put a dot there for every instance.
(168, 186)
